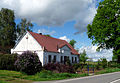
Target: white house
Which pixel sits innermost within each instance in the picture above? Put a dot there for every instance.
(48, 48)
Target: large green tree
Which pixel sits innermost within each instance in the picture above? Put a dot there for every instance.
(72, 43)
(24, 26)
(83, 57)
(7, 28)
(105, 28)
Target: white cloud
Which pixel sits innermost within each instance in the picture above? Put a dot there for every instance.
(92, 53)
(44, 31)
(54, 12)
(65, 38)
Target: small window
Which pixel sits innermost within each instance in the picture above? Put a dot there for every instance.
(75, 59)
(54, 59)
(62, 51)
(72, 60)
(49, 58)
(61, 59)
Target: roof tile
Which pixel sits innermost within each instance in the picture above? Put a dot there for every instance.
(52, 44)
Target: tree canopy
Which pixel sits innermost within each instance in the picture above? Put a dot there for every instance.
(24, 26)
(83, 57)
(7, 27)
(8, 30)
(72, 43)
(105, 28)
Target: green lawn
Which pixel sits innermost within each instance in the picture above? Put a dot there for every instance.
(108, 70)
(18, 77)
(13, 76)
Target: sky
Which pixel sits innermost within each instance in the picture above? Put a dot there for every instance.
(63, 19)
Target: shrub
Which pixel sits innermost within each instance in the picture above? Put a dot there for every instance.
(29, 63)
(79, 65)
(60, 68)
(104, 62)
(98, 65)
(45, 74)
(7, 61)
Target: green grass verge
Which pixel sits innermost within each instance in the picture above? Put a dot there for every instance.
(13, 76)
(108, 70)
(1, 81)
(18, 77)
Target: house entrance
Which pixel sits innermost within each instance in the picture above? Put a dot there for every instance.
(66, 58)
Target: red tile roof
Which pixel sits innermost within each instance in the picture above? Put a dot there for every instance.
(52, 44)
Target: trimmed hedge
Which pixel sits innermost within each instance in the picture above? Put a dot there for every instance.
(7, 61)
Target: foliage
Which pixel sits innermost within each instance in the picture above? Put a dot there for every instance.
(72, 43)
(77, 66)
(115, 58)
(104, 62)
(3, 81)
(28, 62)
(48, 35)
(105, 28)
(7, 61)
(108, 70)
(83, 57)
(98, 65)
(7, 28)
(60, 68)
(44, 75)
(24, 26)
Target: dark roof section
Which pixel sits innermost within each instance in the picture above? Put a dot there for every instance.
(52, 44)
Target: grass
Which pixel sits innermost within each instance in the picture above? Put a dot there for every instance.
(48, 75)
(1, 81)
(108, 70)
(12, 77)
(18, 77)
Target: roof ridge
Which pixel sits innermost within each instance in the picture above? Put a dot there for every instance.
(50, 42)
(48, 37)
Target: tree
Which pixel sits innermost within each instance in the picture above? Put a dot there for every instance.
(105, 28)
(48, 35)
(7, 28)
(83, 57)
(114, 58)
(72, 43)
(24, 26)
(104, 62)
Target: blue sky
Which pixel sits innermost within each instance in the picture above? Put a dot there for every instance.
(67, 30)
(61, 19)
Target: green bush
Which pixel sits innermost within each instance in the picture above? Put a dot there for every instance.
(7, 61)
(98, 66)
(28, 63)
(59, 68)
(104, 62)
(78, 65)
(45, 74)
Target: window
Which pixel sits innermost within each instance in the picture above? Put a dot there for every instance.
(49, 58)
(54, 59)
(61, 59)
(75, 59)
(72, 60)
(65, 59)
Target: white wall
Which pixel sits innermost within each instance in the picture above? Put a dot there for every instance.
(32, 45)
(28, 44)
(67, 52)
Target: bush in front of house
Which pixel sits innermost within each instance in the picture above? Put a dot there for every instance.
(28, 63)
(7, 61)
(59, 68)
